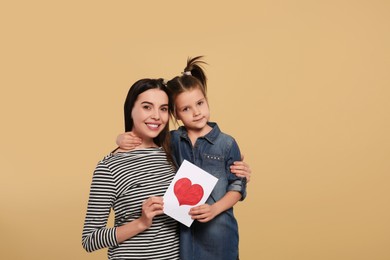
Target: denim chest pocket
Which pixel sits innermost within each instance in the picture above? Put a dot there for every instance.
(214, 164)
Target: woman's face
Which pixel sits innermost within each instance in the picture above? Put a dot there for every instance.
(150, 114)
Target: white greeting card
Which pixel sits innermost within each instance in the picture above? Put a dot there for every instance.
(190, 187)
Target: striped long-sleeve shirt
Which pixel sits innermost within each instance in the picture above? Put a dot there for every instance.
(122, 182)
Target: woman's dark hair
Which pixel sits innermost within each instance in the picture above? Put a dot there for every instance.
(142, 85)
(193, 77)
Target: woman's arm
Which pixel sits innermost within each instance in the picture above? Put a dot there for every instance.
(241, 169)
(101, 198)
(96, 235)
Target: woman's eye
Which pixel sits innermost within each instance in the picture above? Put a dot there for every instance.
(165, 109)
(146, 107)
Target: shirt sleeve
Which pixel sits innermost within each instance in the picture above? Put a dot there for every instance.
(235, 183)
(101, 198)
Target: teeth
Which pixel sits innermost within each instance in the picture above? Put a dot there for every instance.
(153, 125)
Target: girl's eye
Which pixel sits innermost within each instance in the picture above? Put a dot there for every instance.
(185, 109)
(200, 102)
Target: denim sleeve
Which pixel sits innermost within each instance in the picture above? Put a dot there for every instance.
(235, 183)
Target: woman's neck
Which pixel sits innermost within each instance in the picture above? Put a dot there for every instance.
(147, 144)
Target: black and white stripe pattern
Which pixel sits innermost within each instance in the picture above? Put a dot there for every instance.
(122, 182)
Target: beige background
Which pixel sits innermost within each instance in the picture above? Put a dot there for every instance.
(302, 85)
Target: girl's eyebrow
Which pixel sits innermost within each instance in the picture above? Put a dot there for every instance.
(202, 99)
(181, 107)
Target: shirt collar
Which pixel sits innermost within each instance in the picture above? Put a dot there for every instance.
(210, 137)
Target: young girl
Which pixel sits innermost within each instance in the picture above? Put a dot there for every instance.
(133, 183)
(214, 234)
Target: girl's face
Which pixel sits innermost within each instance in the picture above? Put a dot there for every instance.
(150, 114)
(192, 109)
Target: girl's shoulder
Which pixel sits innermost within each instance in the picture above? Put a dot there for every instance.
(174, 132)
(224, 137)
(177, 133)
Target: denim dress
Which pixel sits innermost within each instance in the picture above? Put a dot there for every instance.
(214, 153)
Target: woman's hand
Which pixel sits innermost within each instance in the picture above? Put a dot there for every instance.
(241, 169)
(127, 141)
(151, 207)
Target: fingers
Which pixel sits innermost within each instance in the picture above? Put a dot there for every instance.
(131, 139)
(202, 213)
(241, 169)
(202, 218)
(153, 202)
(128, 141)
(132, 136)
(240, 164)
(134, 139)
(153, 206)
(198, 209)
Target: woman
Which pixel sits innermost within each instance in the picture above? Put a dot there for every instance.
(133, 183)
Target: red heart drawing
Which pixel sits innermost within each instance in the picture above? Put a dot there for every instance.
(186, 193)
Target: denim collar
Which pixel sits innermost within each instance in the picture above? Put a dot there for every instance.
(210, 137)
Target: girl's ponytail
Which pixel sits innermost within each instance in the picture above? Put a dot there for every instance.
(192, 77)
(194, 68)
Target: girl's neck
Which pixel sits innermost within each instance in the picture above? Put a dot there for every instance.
(194, 134)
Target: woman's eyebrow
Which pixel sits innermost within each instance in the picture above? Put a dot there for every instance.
(152, 104)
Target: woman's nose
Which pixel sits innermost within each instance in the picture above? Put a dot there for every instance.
(156, 114)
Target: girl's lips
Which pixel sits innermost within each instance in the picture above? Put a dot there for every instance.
(197, 120)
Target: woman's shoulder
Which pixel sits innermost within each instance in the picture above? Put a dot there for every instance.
(132, 155)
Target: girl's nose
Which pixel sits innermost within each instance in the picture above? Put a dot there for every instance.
(196, 112)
